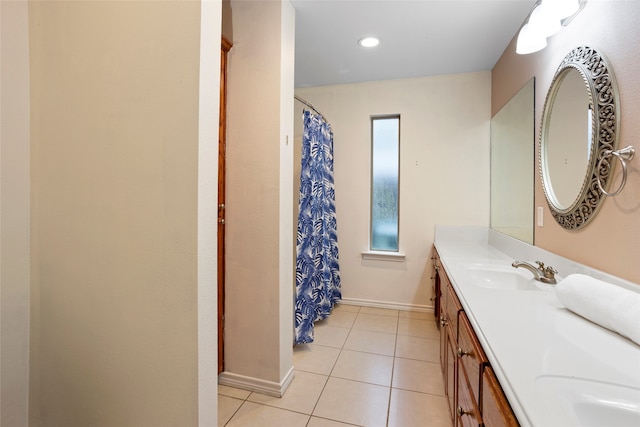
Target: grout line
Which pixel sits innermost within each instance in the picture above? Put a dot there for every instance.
(419, 392)
(234, 412)
(330, 372)
(393, 369)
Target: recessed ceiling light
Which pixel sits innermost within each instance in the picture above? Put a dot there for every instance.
(369, 41)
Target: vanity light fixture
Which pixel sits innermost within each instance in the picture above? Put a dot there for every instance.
(369, 41)
(529, 42)
(545, 19)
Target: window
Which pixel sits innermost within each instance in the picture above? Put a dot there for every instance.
(385, 168)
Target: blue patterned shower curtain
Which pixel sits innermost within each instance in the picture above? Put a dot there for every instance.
(317, 270)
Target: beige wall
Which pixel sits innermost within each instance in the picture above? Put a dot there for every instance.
(444, 178)
(610, 241)
(287, 143)
(114, 211)
(258, 319)
(14, 214)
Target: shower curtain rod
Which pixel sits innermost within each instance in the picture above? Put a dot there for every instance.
(308, 104)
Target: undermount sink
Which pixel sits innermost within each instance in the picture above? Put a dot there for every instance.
(592, 403)
(503, 277)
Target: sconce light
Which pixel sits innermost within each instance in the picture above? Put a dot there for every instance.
(545, 19)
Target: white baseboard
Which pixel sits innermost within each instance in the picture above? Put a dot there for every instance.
(389, 305)
(270, 388)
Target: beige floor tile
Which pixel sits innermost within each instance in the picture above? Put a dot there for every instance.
(238, 393)
(365, 367)
(354, 402)
(418, 328)
(417, 375)
(426, 349)
(301, 396)
(227, 406)
(376, 323)
(420, 315)
(379, 311)
(323, 422)
(346, 307)
(432, 329)
(341, 319)
(371, 342)
(411, 409)
(356, 347)
(314, 358)
(330, 336)
(253, 414)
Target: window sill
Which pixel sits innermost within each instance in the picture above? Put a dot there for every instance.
(384, 256)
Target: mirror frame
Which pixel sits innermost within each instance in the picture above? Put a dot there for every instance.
(603, 98)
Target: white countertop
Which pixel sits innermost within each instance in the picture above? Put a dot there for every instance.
(529, 336)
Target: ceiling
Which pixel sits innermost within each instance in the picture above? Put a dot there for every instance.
(417, 38)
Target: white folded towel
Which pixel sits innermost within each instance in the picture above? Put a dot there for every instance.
(608, 305)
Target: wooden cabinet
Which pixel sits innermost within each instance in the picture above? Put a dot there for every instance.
(470, 354)
(472, 389)
(435, 288)
(467, 410)
(470, 360)
(496, 410)
(449, 307)
(450, 377)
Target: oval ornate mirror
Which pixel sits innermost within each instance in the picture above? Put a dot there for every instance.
(579, 124)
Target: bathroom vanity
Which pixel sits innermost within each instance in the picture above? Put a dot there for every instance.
(511, 353)
(472, 389)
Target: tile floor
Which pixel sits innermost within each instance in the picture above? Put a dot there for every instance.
(367, 367)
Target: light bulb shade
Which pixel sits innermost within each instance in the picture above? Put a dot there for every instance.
(369, 41)
(561, 8)
(544, 22)
(529, 41)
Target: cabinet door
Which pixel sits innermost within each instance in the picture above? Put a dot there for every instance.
(444, 343)
(470, 354)
(450, 375)
(453, 308)
(496, 411)
(442, 315)
(467, 411)
(436, 292)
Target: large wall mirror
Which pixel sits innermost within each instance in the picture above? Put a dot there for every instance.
(512, 166)
(579, 129)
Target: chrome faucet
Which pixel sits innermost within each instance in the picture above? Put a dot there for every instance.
(541, 273)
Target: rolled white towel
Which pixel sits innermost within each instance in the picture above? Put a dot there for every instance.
(608, 305)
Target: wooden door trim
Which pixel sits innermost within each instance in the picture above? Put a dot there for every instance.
(225, 47)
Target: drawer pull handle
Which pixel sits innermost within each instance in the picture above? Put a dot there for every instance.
(443, 322)
(462, 353)
(462, 412)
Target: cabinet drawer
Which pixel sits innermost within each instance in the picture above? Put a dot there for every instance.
(467, 411)
(470, 354)
(496, 411)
